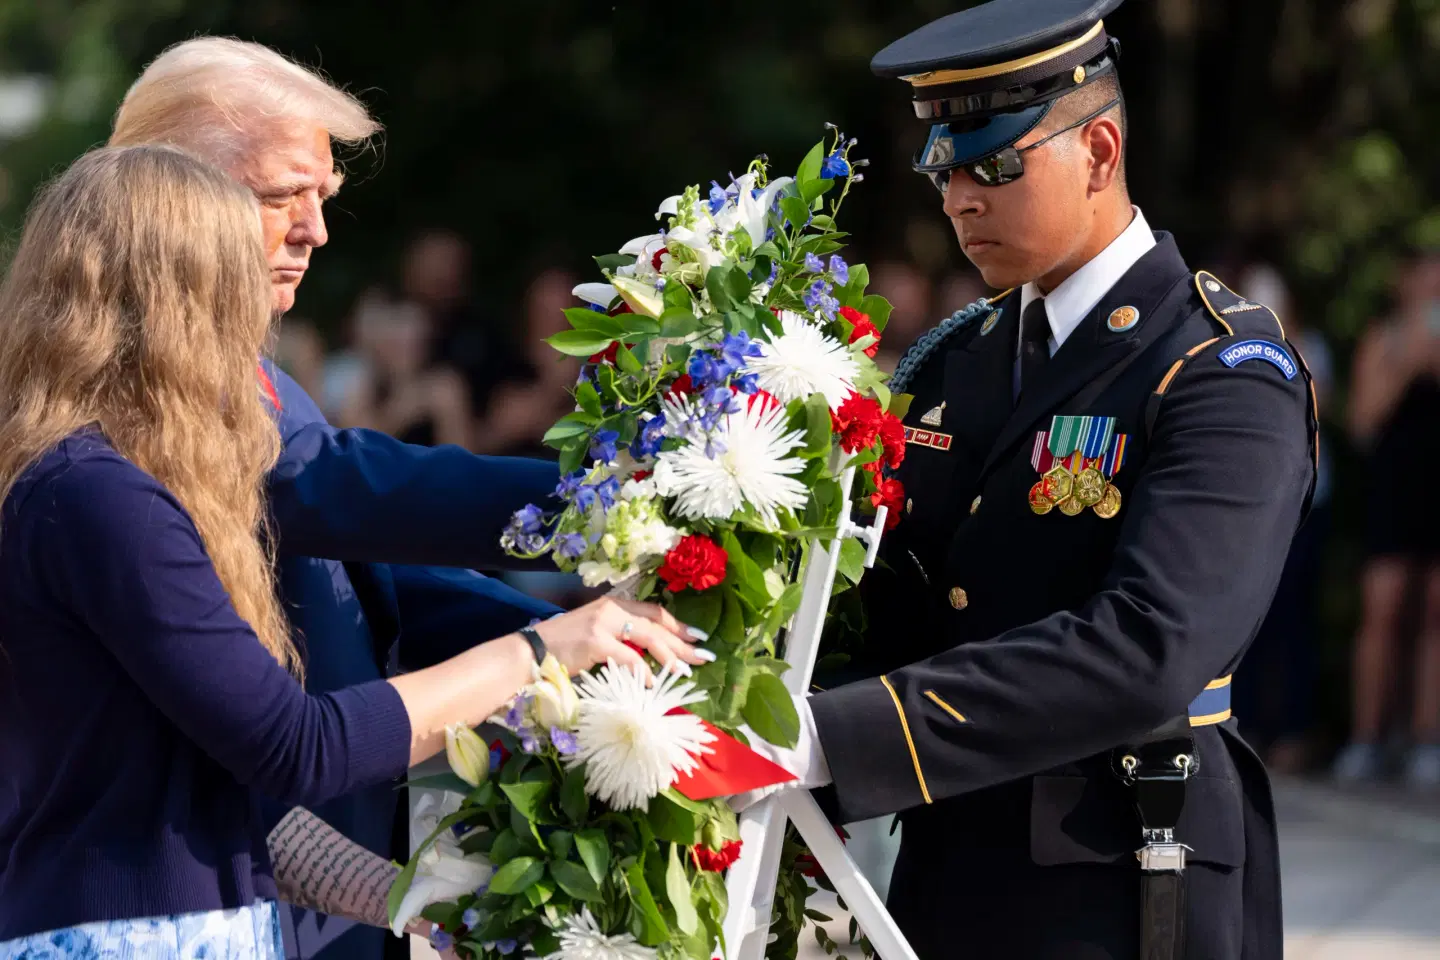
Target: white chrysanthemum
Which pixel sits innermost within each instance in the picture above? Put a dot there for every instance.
(582, 939)
(753, 467)
(631, 746)
(802, 361)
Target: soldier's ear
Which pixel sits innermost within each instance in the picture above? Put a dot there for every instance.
(1107, 152)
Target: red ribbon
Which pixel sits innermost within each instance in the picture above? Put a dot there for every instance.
(729, 768)
(269, 387)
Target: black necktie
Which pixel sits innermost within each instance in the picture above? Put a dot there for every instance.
(1034, 342)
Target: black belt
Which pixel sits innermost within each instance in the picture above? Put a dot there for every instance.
(1156, 770)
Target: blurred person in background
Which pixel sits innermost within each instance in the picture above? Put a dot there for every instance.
(1394, 417)
(300, 352)
(534, 392)
(1275, 692)
(908, 289)
(400, 390)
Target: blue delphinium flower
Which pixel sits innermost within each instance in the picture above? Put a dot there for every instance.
(585, 497)
(814, 264)
(503, 947)
(834, 167)
(563, 741)
(748, 382)
(528, 743)
(652, 435)
(569, 545)
(774, 272)
(569, 485)
(818, 298)
(602, 445)
(530, 518)
(607, 490)
(736, 348)
(483, 889)
(471, 917)
(515, 716)
(704, 368)
(718, 197)
(441, 940)
(597, 308)
(496, 757)
(839, 269)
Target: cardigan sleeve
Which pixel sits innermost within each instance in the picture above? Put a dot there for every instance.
(120, 552)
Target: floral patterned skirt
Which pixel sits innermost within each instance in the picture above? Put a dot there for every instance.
(245, 933)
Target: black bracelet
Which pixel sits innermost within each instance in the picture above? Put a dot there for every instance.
(537, 644)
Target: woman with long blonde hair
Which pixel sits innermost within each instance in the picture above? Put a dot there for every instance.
(148, 690)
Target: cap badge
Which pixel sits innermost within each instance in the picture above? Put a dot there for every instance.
(1123, 319)
(1079, 75)
(1212, 286)
(989, 323)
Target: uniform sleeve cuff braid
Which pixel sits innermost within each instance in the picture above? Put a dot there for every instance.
(866, 741)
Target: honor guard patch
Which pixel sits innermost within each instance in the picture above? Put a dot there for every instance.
(1271, 353)
(989, 323)
(928, 438)
(1123, 319)
(933, 415)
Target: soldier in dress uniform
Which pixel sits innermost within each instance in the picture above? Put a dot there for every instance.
(1105, 467)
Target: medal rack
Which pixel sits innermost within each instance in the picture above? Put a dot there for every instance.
(751, 880)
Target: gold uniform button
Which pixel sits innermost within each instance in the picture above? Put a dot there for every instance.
(958, 598)
(974, 505)
(909, 506)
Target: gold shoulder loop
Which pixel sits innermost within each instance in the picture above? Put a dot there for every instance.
(1001, 296)
(1222, 302)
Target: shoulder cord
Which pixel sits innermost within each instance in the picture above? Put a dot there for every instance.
(924, 348)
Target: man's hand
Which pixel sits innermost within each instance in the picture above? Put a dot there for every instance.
(806, 760)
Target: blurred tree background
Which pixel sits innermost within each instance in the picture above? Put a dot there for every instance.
(1298, 131)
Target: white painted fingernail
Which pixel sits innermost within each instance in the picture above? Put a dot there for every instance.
(697, 633)
(707, 655)
(679, 667)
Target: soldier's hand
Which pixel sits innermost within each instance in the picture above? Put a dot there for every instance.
(806, 760)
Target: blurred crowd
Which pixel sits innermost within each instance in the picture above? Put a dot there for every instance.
(422, 361)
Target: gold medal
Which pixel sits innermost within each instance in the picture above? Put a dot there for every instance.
(1040, 501)
(1089, 486)
(1109, 504)
(1071, 507)
(1059, 483)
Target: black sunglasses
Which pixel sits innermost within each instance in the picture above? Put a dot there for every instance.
(1005, 165)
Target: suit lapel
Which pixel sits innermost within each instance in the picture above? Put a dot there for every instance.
(1092, 348)
(978, 380)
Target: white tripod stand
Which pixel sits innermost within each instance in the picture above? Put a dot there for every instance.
(751, 880)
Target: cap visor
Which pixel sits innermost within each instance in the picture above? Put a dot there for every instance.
(963, 141)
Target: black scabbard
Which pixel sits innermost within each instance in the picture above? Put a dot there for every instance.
(1162, 905)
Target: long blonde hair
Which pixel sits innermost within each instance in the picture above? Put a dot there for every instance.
(139, 300)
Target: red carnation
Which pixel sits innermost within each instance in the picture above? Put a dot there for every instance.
(858, 423)
(639, 474)
(892, 438)
(889, 493)
(683, 385)
(863, 327)
(697, 562)
(655, 260)
(716, 861)
(504, 754)
(766, 400)
(607, 355)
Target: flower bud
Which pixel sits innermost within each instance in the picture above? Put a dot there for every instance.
(556, 703)
(468, 755)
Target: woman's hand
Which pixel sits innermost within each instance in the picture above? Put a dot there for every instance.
(619, 630)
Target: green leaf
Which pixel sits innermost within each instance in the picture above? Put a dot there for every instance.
(699, 609)
(677, 297)
(852, 559)
(719, 289)
(735, 693)
(625, 360)
(594, 852)
(677, 889)
(738, 285)
(560, 842)
(784, 608)
(812, 190)
(797, 211)
(506, 847)
(678, 322)
(731, 628)
(810, 167)
(817, 425)
(900, 404)
(583, 318)
(399, 887)
(882, 393)
(672, 822)
(878, 308)
(768, 249)
(748, 578)
(574, 880)
(573, 800)
(539, 892)
(613, 261)
(530, 798)
(588, 398)
(517, 876)
(853, 293)
(770, 711)
(570, 425)
(579, 343)
(439, 781)
(647, 923)
(572, 454)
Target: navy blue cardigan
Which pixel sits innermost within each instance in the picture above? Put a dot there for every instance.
(140, 718)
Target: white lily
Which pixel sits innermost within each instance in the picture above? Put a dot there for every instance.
(556, 703)
(469, 755)
(600, 294)
(440, 878)
(641, 297)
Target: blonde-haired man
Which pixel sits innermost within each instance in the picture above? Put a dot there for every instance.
(347, 503)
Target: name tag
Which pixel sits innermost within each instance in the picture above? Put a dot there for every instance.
(1260, 350)
(928, 438)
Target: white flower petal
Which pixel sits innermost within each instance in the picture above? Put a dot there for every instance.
(802, 361)
(443, 879)
(600, 294)
(581, 938)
